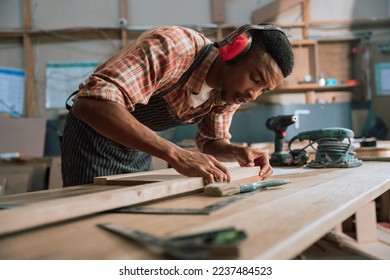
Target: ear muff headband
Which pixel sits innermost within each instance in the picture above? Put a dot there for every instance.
(237, 43)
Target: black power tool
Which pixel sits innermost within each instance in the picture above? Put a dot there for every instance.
(279, 125)
(334, 147)
(331, 150)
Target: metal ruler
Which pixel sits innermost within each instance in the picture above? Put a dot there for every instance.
(185, 211)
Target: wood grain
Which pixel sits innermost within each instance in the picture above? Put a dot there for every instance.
(52, 206)
(280, 222)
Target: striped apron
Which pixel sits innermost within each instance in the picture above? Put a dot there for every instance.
(86, 154)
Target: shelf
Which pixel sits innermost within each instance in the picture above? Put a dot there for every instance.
(310, 54)
(314, 87)
(312, 93)
(133, 31)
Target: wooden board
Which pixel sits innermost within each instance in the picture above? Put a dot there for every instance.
(23, 135)
(280, 222)
(272, 9)
(305, 56)
(51, 206)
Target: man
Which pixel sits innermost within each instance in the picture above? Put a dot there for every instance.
(172, 76)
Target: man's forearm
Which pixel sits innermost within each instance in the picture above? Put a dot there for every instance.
(222, 150)
(115, 123)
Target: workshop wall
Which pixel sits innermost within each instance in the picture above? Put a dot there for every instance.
(51, 15)
(248, 126)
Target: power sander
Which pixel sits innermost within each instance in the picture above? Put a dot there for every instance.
(331, 150)
(334, 147)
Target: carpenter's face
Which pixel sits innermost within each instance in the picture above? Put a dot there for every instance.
(249, 77)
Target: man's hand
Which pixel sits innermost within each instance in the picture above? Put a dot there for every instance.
(116, 123)
(195, 164)
(253, 157)
(245, 156)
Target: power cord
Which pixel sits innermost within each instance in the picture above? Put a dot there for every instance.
(330, 151)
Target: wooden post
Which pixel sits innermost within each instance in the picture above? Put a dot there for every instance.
(310, 96)
(384, 212)
(218, 11)
(219, 34)
(272, 9)
(28, 59)
(366, 224)
(124, 16)
(338, 229)
(305, 18)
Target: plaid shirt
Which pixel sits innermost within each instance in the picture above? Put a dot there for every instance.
(153, 63)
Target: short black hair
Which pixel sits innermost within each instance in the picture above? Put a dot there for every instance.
(277, 45)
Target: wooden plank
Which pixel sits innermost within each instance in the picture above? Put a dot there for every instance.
(305, 18)
(39, 196)
(366, 230)
(272, 9)
(169, 174)
(336, 53)
(124, 16)
(305, 216)
(373, 250)
(14, 183)
(104, 180)
(46, 212)
(383, 234)
(280, 223)
(28, 60)
(3, 185)
(384, 212)
(55, 175)
(218, 8)
(71, 206)
(310, 97)
(305, 56)
(23, 135)
(133, 180)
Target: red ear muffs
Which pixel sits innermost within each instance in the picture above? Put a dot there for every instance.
(236, 48)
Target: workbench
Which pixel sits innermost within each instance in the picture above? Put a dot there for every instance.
(280, 222)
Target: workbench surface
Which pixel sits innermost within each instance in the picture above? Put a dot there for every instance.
(280, 222)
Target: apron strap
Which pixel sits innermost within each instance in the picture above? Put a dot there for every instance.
(199, 58)
(67, 105)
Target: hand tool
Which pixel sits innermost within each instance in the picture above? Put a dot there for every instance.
(223, 189)
(332, 151)
(4, 206)
(219, 244)
(279, 125)
(207, 210)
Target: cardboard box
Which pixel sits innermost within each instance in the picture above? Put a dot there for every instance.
(23, 135)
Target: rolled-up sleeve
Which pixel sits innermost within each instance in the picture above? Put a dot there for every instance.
(215, 125)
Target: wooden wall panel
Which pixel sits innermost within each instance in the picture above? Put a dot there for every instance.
(335, 60)
(305, 55)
